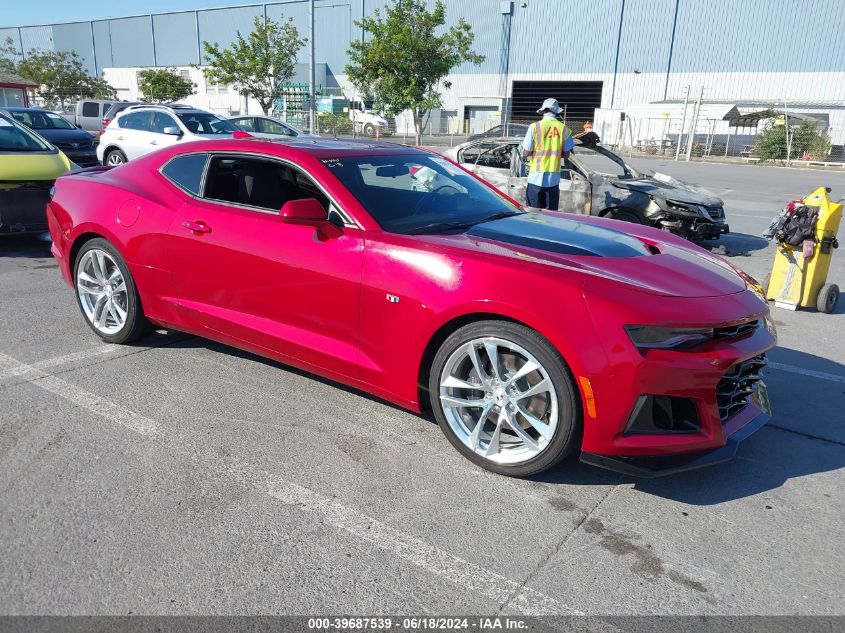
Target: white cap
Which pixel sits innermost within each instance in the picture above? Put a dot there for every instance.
(550, 104)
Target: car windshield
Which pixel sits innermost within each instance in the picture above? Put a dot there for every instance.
(42, 120)
(418, 193)
(206, 123)
(16, 138)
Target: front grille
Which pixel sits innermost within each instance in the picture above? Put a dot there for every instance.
(76, 145)
(735, 331)
(735, 388)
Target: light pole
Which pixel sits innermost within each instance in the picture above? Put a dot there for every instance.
(311, 76)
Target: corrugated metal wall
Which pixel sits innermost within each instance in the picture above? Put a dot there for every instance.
(641, 49)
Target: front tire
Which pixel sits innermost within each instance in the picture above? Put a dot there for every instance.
(504, 398)
(369, 130)
(624, 215)
(827, 298)
(114, 157)
(107, 295)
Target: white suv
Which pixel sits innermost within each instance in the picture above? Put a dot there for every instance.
(142, 129)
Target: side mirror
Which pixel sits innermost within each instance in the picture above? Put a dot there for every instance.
(172, 130)
(303, 211)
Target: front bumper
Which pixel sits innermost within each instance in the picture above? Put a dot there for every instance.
(23, 210)
(83, 158)
(661, 465)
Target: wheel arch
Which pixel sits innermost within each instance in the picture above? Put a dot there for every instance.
(454, 324)
(77, 245)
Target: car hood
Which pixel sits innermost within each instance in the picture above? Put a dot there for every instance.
(601, 249)
(33, 166)
(668, 188)
(66, 136)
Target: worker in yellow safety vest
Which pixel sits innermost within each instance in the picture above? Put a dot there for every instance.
(546, 143)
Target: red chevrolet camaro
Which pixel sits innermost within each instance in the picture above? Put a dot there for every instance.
(391, 269)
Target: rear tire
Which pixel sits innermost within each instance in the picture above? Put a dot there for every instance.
(528, 407)
(828, 296)
(114, 157)
(107, 295)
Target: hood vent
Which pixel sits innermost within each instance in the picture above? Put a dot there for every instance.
(555, 234)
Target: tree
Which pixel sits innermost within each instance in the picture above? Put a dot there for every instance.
(8, 56)
(771, 143)
(403, 62)
(334, 124)
(61, 77)
(259, 64)
(164, 84)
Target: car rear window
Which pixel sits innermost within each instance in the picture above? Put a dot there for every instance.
(16, 138)
(186, 171)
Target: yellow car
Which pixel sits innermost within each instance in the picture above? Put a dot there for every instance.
(29, 166)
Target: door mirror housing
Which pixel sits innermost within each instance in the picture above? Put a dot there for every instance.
(303, 211)
(172, 130)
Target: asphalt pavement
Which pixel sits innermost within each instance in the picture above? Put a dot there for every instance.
(179, 476)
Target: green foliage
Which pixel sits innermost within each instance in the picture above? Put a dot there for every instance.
(259, 64)
(771, 143)
(334, 124)
(406, 55)
(8, 56)
(61, 77)
(164, 84)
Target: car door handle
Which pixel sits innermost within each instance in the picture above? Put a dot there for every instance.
(197, 227)
(119, 138)
(153, 142)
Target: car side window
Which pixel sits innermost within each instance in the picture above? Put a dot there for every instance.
(268, 126)
(186, 172)
(247, 123)
(89, 108)
(253, 182)
(162, 120)
(135, 121)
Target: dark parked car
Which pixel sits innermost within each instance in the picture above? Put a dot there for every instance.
(78, 145)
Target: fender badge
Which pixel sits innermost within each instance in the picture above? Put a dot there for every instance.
(392, 298)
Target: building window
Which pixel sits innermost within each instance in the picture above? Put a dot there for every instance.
(216, 88)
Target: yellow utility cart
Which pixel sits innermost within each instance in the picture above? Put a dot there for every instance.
(798, 281)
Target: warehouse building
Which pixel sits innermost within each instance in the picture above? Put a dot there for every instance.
(604, 54)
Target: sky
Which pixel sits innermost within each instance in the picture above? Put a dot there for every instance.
(19, 13)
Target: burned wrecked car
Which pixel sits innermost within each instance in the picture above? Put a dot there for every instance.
(595, 181)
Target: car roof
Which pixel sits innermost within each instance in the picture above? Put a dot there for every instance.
(22, 109)
(316, 146)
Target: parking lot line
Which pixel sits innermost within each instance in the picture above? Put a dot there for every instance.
(409, 548)
(807, 372)
(13, 368)
(80, 397)
(426, 556)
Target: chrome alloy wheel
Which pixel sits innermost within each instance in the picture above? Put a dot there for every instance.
(102, 291)
(115, 158)
(499, 400)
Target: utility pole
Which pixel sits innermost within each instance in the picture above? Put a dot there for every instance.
(311, 72)
(694, 123)
(683, 123)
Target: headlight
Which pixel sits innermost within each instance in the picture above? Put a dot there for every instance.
(683, 209)
(649, 337)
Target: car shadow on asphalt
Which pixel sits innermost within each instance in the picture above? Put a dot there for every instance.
(735, 245)
(767, 460)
